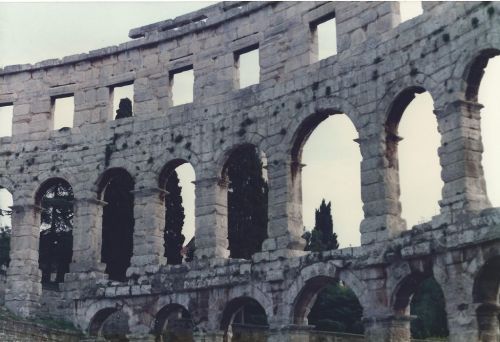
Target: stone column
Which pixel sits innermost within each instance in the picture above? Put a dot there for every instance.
(87, 237)
(462, 321)
(285, 226)
(460, 157)
(380, 189)
(24, 286)
(392, 328)
(149, 213)
(211, 218)
(453, 275)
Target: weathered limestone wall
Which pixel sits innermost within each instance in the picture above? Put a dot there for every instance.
(379, 61)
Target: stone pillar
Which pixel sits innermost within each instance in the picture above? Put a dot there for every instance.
(487, 320)
(24, 286)
(394, 328)
(380, 189)
(285, 226)
(211, 218)
(87, 237)
(149, 214)
(462, 322)
(460, 157)
(456, 281)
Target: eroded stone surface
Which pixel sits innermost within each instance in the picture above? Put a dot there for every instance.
(377, 60)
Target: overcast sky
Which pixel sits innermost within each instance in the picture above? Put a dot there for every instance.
(31, 32)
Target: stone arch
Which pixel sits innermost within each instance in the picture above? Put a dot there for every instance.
(419, 280)
(402, 92)
(167, 170)
(223, 156)
(302, 127)
(472, 61)
(55, 241)
(304, 124)
(179, 315)
(182, 156)
(393, 117)
(173, 230)
(405, 288)
(486, 292)
(7, 183)
(118, 328)
(487, 281)
(246, 312)
(104, 178)
(311, 280)
(469, 73)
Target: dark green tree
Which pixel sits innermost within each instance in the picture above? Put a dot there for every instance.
(174, 220)
(429, 307)
(124, 109)
(118, 225)
(56, 238)
(5, 232)
(337, 309)
(322, 237)
(4, 248)
(247, 203)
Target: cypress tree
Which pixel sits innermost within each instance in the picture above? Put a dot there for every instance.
(247, 203)
(174, 221)
(118, 226)
(322, 237)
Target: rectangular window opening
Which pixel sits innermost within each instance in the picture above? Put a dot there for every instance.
(324, 31)
(123, 98)
(409, 10)
(182, 84)
(246, 62)
(6, 116)
(63, 109)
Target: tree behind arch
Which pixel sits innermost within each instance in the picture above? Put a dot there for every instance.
(56, 238)
(174, 221)
(247, 203)
(322, 237)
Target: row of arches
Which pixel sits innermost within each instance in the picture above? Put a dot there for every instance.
(246, 318)
(119, 183)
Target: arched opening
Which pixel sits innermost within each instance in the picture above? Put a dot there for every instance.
(326, 166)
(421, 296)
(110, 324)
(330, 306)
(411, 116)
(483, 87)
(6, 202)
(173, 323)
(115, 190)
(244, 319)
(246, 201)
(177, 180)
(56, 198)
(486, 294)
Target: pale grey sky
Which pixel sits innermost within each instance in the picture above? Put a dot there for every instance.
(332, 158)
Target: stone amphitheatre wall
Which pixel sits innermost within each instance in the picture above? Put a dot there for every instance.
(380, 64)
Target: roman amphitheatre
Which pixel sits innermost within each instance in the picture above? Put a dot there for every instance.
(380, 65)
